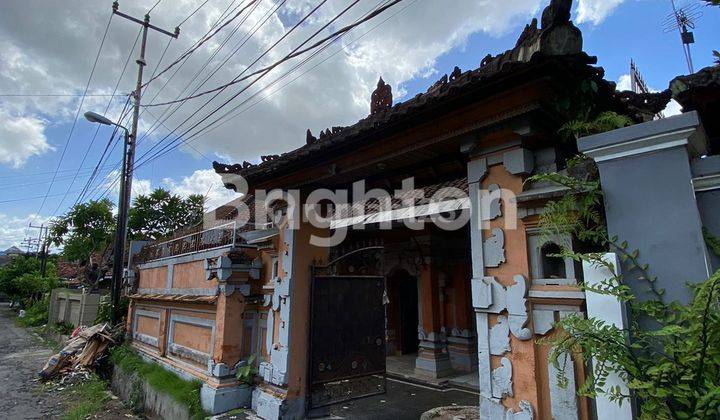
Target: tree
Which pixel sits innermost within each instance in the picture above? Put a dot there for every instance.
(86, 228)
(161, 213)
(21, 281)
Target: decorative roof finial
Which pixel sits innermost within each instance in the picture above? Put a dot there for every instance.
(382, 98)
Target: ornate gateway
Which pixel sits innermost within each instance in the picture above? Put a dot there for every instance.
(347, 330)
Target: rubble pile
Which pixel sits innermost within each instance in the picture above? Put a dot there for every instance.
(85, 346)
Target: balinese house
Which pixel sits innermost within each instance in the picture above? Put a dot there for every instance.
(329, 323)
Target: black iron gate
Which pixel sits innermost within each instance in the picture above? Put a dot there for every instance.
(347, 328)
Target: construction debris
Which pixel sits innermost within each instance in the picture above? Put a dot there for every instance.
(81, 351)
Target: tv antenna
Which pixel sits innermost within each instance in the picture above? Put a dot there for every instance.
(683, 19)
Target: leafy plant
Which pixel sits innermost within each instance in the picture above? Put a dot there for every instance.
(21, 281)
(717, 56)
(86, 228)
(583, 126)
(161, 213)
(246, 373)
(673, 370)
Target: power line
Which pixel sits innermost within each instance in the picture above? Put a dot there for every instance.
(193, 13)
(170, 146)
(199, 43)
(105, 151)
(177, 69)
(297, 52)
(77, 114)
(55, 95)
(297, 25)
(97, 129)
(252, 32)
(227, 120)
(154, 126)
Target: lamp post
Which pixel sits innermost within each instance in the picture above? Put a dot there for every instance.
(123, 205)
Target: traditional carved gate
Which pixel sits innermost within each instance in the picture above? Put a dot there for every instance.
(347, 328)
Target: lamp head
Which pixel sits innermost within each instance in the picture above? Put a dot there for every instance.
(97, 118)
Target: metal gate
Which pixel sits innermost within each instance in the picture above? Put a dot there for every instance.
(347, 328)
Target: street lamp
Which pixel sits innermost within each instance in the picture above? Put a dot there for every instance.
(123, 205)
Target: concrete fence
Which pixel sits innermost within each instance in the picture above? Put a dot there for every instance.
(73, 306)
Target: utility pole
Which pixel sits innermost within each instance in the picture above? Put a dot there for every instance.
(129, 163)
(42, 247)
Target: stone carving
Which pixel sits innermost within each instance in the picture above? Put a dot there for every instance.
(502, 379)
(517, 308)
(247, 164)
(309, 138)
(490, 409)
(382, 98)
(269, 158)
(500, 337)
(421, 333)
(494, 248)
(455, 74)
(496, 204)
(557, 13)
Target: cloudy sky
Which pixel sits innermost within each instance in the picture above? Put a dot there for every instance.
(49, 48)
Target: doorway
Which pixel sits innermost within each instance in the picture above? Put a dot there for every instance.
(406, 311)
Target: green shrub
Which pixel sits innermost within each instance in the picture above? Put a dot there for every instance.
(36, 314)
(162, 380)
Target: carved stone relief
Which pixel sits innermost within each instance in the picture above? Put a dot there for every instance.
(502, 379)
(494, 248)
(500, 337)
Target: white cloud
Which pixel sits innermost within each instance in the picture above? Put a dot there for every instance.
(139, 187)
(44, 52)
(596, 11)
(21, 138)
(624, 83)
(13, 230)
(203, 182)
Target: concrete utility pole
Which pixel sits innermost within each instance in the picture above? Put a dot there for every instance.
(129, 163)
(42, 246)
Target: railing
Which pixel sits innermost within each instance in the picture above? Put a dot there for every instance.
(217, 237)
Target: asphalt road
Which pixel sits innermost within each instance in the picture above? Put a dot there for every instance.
(21, 357)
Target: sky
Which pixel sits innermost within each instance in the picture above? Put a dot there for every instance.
(48, 151)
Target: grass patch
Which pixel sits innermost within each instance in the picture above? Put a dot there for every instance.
(162, 380)
(35, 315)
(88, 398)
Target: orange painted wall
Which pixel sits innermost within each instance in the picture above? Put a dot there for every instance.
(193, 336)
(148, 326)
(191, 275)
(522, 355)
(303, 257)
(153, 278)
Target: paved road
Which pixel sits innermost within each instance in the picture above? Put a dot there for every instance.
(21, 357)
(403, 401)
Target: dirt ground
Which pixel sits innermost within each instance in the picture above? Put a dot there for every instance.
(22, 395)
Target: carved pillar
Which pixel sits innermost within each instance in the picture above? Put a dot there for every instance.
(499, 309)
(433, 359)
(228, 331)
(462, 343)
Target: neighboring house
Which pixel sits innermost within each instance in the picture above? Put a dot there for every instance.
(329, 324)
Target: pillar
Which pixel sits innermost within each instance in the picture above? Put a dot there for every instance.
(650, 202)
(433, 359)
(462, 344)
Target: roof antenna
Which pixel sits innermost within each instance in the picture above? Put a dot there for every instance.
(682, 19)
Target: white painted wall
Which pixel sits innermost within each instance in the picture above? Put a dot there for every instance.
(612, 311)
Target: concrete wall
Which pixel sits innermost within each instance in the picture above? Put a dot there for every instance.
(73, 306)
(706, 173)
(650, 201)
